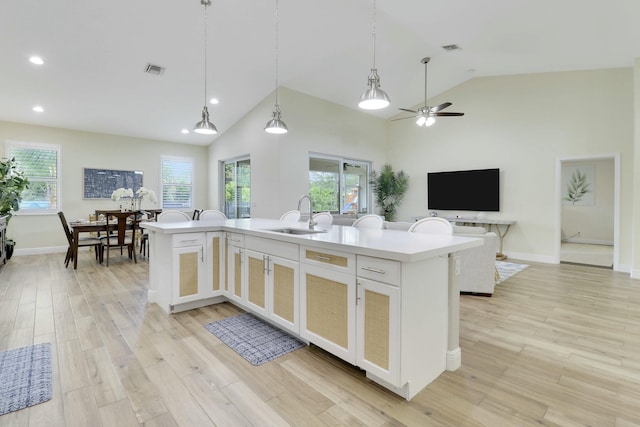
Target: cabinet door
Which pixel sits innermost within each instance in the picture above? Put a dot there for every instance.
(235, 266)
(378, 329)
(188, 274)
(256, 273)
(327, 316)
(284, 286)
(214, 262)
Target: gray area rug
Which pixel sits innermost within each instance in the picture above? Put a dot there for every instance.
(256, 341)
(25, 377)
(508, 269)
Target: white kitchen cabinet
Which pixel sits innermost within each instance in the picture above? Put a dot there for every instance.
(235, 259)
(188, 279)
(378, 318)
(214, 263)
(328, 302)
(272, 272)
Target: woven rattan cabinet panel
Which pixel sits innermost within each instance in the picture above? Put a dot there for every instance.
(215, 261)
(256, 281)
(327, 315)
(189, 274)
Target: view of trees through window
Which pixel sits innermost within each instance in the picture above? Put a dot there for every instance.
(237, 188)
(40, 165)
(339, 185)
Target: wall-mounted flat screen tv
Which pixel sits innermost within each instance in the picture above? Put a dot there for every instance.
(467, 190)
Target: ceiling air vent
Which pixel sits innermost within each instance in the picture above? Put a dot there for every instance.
(451, 47)
(156, 70)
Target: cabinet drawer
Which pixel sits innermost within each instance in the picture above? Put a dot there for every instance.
(272, 247)
(379, 269)
(182, 240)
(334, 260)
(235, 239)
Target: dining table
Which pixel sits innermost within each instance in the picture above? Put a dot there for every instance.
(86, 226)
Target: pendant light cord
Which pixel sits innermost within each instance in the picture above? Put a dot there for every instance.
(205, 3)
(276, 44)
(374, 34)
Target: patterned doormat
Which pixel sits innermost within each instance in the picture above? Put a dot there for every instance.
(256, 341)
(25, 377)
(508, 269)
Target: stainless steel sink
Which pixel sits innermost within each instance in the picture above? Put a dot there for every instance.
(297, 231)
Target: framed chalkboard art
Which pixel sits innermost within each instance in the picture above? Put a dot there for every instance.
(100, 183)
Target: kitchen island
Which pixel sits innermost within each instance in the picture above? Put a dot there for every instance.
(384, 300)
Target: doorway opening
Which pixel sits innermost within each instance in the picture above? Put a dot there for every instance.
(588, 210)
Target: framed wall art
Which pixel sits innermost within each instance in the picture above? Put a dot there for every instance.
(100, 183)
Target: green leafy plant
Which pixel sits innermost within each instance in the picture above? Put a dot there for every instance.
(389, 188)
(577, 187)
(12, 184)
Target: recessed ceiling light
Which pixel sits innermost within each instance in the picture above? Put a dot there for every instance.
(185, 131)
(36, 60)
(451, 47)
(38, 109)
(214, 100)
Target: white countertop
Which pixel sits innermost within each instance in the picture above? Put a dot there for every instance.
(390, 244)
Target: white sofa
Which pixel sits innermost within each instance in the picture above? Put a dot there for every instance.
(477, 265)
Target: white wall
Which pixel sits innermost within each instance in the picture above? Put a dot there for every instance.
(280, 164)
(522, 124)
(40, 233)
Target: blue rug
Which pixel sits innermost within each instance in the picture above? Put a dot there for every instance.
(508, 269)
(256, 341)
(25, 377)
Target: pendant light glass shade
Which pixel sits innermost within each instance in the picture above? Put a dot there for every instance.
(374, 98)
(276, 125)
(205, 127)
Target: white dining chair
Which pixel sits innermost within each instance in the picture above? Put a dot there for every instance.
(323, 218)
(369, 221)
(432, 225)
(212, 215)
(291, 216)
(173, 216)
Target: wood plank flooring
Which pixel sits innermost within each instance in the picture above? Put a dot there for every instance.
(557, 345)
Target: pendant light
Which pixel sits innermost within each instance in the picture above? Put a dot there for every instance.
(374, 98)
(276, 125)
(204, 126)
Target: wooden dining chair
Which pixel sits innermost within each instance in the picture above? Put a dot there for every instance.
(82, 241)
(126, 224)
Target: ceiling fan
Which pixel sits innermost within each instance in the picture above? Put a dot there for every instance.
(427, 115)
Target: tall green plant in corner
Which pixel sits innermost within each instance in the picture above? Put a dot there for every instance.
(12, 184)
(389, 188)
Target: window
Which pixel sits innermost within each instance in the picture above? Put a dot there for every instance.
(177, 179)
(40, 164)
(339, 185)
(237, 188)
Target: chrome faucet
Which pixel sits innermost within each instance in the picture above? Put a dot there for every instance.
(312, 223)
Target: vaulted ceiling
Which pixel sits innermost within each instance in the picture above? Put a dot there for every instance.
(96, 54)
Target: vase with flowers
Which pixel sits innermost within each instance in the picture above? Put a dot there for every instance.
(143, 192)
(122, 193)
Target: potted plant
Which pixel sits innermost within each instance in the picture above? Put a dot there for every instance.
(12, 184)
(389, 188)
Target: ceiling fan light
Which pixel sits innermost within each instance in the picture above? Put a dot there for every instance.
(429, 121)
(276, 125)
(205, 127)
(421, 121)
(374, 98)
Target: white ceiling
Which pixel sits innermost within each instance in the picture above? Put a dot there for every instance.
(96, 54)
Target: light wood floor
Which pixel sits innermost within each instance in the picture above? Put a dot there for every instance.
(556, 345)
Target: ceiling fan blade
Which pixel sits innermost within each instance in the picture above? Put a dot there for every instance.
(403, 118)
(406, 109)
(448, 114)
(440, 107)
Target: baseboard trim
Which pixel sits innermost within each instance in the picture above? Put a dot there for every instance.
(588, 241)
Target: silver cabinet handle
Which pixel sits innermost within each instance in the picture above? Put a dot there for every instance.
(374, 270)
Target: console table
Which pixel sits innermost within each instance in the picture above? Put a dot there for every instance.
(490, 223)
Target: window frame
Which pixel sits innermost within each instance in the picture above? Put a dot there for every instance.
(176, 159)
(223, 187)
(58, 178)
(349, 161)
